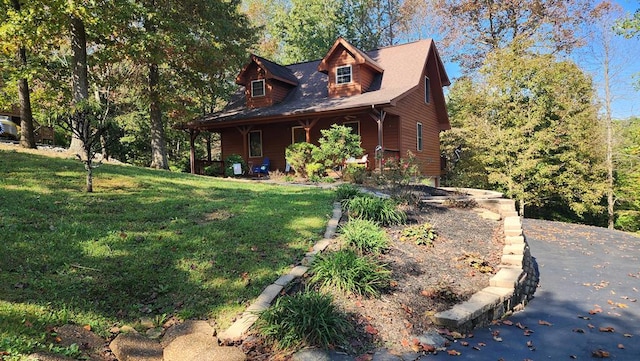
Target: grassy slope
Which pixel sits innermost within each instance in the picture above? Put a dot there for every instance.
(145, 243)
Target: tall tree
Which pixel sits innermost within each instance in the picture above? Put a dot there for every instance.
(531, 123)
(184, 45)
(472, 28)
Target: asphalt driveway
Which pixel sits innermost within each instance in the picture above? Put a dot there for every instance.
(587, 304)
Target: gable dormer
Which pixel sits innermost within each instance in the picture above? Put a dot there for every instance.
(265, 82)
(350, 70)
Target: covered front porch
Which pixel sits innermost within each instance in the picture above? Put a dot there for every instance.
(259, 139)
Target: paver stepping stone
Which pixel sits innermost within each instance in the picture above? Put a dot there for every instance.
(135, 347)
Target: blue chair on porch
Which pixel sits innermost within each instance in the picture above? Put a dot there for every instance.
(262, 169)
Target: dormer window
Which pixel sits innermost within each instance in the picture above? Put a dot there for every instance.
(343, 74)
(257, 88)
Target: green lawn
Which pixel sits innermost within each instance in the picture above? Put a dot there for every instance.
(146, 243)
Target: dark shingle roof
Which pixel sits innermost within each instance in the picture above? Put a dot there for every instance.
(402, 64)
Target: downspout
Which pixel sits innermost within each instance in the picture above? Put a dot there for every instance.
(379, 117)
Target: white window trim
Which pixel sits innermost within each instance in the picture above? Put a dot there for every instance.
(427, 90)
(419, 137)
(350, 74)
(249, 143)
(353, 122)
(264, 88)
(293, 133)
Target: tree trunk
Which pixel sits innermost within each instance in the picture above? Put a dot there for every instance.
(27, 139)
(158, 146)
(80, 79)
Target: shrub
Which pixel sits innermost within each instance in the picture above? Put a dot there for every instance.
(347, 191)
(314, 169)
(304, 319)
(298, 155)
(383, 211)
(230, 161)
(337, 144)
(355, 173)
(364, 236)
(347, 272)
(420, 234)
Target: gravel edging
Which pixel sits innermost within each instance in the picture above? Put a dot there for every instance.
(250, 315)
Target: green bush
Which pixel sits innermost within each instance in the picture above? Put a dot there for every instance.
(314, 170)
(298, 155)
(355, 173)
(347, 191)
(383, 211)
(628, 221)
(230, 161)
(347, 272)
(337, 144)
(364, 236)
(420, 234)
(304, 319)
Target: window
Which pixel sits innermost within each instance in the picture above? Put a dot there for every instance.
(343, 74)
(298, 135)
(427, 89)
(255, 143)
(355, 127)
(257, 88)
(419, 137)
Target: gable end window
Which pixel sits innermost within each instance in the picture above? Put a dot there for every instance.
(257, 88)
(255, 144)
(427, 90)
(343, 74)
(419, 137)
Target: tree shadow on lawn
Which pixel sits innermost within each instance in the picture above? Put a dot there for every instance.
(112, 257)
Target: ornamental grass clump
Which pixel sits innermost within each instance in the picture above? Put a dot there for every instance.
(364, 236)
(348, 272)
(347, 191)
(304, 319)
(379, 210)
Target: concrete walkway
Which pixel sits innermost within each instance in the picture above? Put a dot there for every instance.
(587, 304)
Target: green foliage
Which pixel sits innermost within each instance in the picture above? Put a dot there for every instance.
(314, 170)
(355, 173)
(382, 211)
(420, 234)
(628, 220)
(304, 319)
(347, 272)
(627, 176)
(143, 242)
(347, 191)
(230, 161)
(364, 236)
(337, 144)
(299, 155)
(528, 127)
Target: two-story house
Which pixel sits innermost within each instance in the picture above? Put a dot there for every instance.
(392, 97)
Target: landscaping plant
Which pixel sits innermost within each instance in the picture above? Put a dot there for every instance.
(382, 211)
(347, 191)
(364, 236)
(420, 234)
(348, 272)
(304, 319)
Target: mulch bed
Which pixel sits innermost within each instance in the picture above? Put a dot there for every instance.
(426, 279)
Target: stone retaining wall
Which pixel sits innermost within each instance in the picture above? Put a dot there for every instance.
(510, 288)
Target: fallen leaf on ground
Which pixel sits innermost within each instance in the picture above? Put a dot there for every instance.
(578, 330)
(584, 317)
(527, 332)
(606, 329)
(621, 346)
(370, 330)
(600, 354)
(591, 326)
(453, 353)
(365, 357)
(507, 322)
(87, 327)
(497, 339)
(628, 335)
(597, 309)
(464, 343)
(544, 323)
(520, 326)
(621, 305)
(404, 342)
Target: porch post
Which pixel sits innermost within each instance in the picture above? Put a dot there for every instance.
(193, 134)
(307, 125)
(244, 130)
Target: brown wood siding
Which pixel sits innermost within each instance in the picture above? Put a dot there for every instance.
(340, 58)
(231, 143)
(412, 110)
(277, 91)
(391, 132)
(366, 75)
